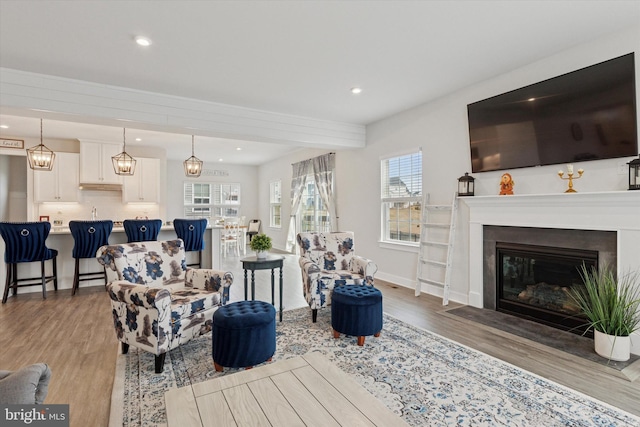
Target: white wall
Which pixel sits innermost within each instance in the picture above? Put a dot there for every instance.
(440, 128)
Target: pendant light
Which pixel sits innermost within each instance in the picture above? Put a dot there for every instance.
(193, 165)
(123, 163)
(40, 157)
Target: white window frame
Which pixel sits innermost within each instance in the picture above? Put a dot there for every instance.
(405, 195)
(223, 200)
(275, 204)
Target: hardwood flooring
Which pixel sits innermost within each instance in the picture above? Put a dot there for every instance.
(75, 336)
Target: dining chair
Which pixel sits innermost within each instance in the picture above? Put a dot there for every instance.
(254, 228)
(88, 236)
(231, 238)
(25, 243)
(191, 231)
(142, 230)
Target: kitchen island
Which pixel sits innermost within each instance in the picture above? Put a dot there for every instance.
(60, 238)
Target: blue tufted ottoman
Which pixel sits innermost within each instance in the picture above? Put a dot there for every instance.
(244, 334)
(356, 310)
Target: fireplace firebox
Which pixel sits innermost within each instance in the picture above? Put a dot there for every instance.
(534, 281)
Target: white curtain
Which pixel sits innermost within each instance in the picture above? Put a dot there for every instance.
(323, 167)
(298, 181)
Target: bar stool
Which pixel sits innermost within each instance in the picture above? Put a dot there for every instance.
(142, 230)
(25, 242)
(88, 236)
(191, 231)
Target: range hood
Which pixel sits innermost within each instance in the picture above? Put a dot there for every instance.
(100, 187)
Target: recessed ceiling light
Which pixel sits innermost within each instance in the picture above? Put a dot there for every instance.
(531, 99)
(219, 160)
(138, 139)
(238, 148)
(4, 126)
(356, 90)
(143, 41)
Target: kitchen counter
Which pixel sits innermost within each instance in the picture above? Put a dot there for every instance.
(60, 239)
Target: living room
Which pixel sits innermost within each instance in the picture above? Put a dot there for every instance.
(440, 128)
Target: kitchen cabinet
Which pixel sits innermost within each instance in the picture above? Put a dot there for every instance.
(96, 166)
(61, 183)
(144, 185)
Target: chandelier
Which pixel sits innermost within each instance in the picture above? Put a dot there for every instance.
(123, 163)
(193, 165)
(40, 157)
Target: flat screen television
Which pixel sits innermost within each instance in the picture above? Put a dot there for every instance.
(588, 114)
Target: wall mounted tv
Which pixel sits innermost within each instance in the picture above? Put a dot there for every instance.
(588, 114)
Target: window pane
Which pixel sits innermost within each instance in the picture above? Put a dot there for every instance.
(401, 179)
(312, 214)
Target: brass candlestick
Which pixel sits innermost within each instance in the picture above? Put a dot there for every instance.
(570, 178)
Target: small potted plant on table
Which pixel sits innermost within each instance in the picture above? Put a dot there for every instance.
(261, 243)
(611, 306)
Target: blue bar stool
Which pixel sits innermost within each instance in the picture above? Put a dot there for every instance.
(142, 230)
(88, 236)
(25, 242)
(191, 231)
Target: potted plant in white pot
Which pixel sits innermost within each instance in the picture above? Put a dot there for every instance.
(610, 305)
(261, 243)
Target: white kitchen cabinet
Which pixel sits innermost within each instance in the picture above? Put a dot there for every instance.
(96, 166)
(144, 185)
(61, 183)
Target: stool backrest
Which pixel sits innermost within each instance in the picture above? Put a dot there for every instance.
(191, 231)
(88, 236)
(142, 230)
(25, 241)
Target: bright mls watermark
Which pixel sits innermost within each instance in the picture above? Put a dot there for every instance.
(34, 415)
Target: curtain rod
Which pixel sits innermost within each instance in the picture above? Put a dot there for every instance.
(330, 153)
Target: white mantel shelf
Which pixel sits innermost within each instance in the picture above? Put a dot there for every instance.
(614, 210)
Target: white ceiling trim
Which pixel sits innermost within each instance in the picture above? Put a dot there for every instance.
(85, 102)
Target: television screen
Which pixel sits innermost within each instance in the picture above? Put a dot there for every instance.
(588, 114)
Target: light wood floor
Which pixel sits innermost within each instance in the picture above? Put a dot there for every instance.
(75, 336)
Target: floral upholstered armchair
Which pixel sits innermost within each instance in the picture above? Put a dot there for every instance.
(157, 302)
(328, 260)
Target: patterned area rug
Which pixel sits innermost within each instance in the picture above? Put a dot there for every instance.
(423, 377)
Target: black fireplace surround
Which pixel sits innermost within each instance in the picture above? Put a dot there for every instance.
(528, 271)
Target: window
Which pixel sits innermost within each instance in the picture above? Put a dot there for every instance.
(313, 216)
(275, 203)
(209, 200)
(401, 198)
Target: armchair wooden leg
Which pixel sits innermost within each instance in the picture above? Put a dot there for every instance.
(361, 341)
(377, 335)
(125, 348)
(218, 367)
(314, 315)
(160, 362)
(336, 334)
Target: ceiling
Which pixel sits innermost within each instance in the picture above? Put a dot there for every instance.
(291, 57)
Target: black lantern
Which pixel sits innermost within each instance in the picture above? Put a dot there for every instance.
(634, 174)
(465, 185)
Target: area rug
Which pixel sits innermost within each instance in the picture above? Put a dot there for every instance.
(425, 378)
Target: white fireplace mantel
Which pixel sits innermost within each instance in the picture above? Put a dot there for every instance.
(591, 211)
(617, 211)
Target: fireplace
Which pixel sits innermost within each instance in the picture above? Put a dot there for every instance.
(533, 282)
(603, 221)
(528, 271)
